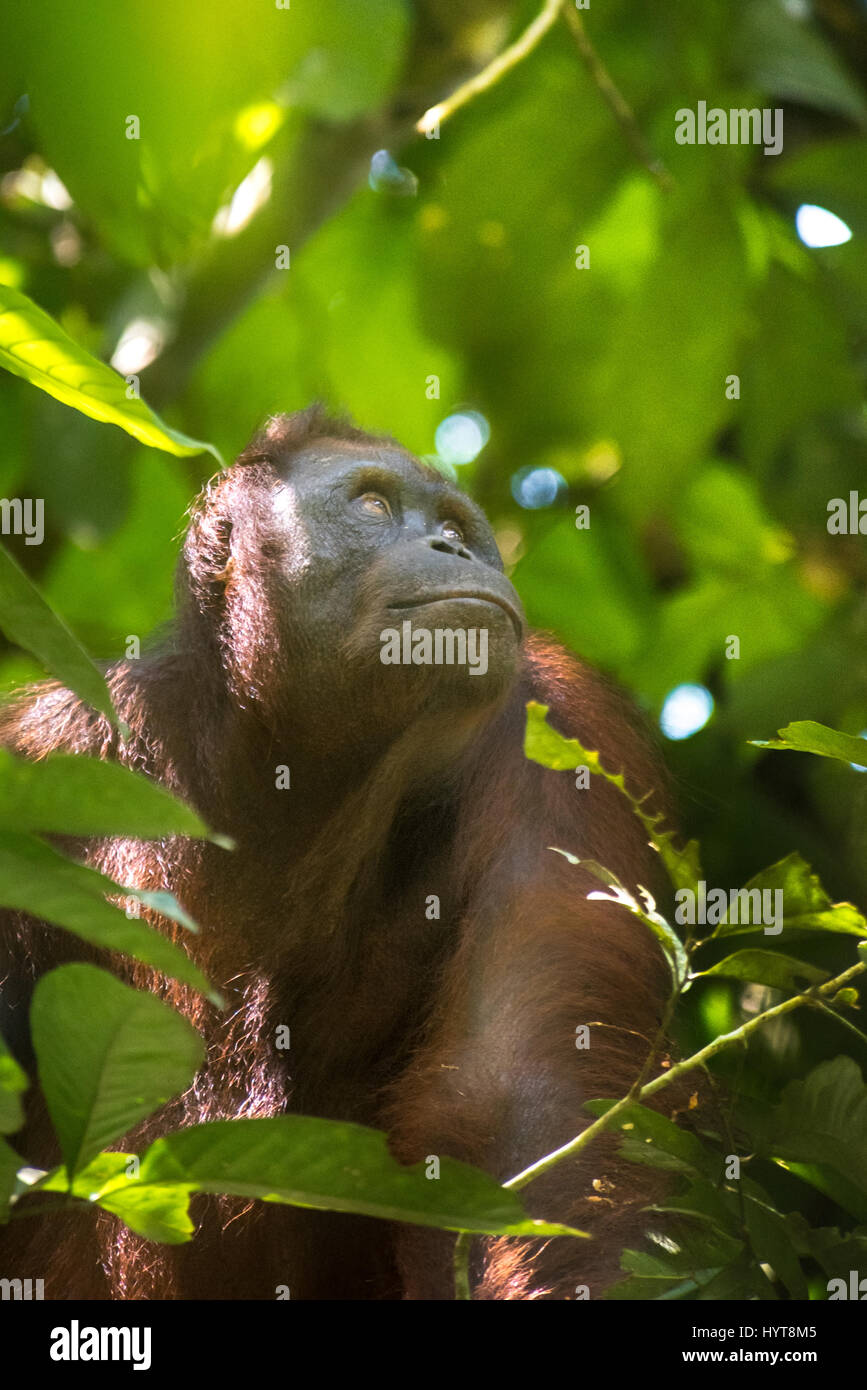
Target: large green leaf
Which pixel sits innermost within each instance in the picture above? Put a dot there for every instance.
(36, 348)
(797, 365)
(827, 172)
(34, 878)
(129, 590)
(107, 1055)
(608, 625)
(823, 1119)
(71, 795)
(723, 526)
(337, 1166)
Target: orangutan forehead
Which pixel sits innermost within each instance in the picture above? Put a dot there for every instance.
(339, 455)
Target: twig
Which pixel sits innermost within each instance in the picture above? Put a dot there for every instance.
(615, 100)
(503, 63)
(518, 51)
(698, 1059)
(462, 1266)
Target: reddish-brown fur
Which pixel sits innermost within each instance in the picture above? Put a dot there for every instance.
(457, 1035)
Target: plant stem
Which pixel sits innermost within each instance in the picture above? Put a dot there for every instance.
(615, 100)
(675, 1073)
(497, 68)
(462, 1266)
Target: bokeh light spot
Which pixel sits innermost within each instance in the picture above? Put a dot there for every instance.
(533, 488)
(460, 437)
(685, 710)
(386, 176)
(818, 227)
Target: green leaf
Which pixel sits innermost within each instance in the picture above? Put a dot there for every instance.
(831, 1183)
(36, 348)
(806, 736)
(785, 57)
(99, 1173)
(352, 57)
(768, 968)
(769, 611)
(847, 996)
(664, 1289)
(130, 589)
(608, 627)
(771, 1240)
(703, 1201)
(827, 172)
(28, 621)
(741, 1280)
(544, 745)
(107, 1056)
(794, 307)
(644, 410)
(694, 1249)
(67, 794)
(13, 1081)
(335, 1166)
(723, 526)
(157, 1212)
(836, 1252)
(648, 1137)
(823, 1119)
(34, 878)
(645, 911)
(9, 1165)
(806, 905)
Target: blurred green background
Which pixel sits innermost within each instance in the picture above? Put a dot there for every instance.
(603, 385)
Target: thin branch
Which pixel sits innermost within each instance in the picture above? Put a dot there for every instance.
(462, 1266)
(615, 100)
(489, 76)
(675, 1073)
(841, 1019)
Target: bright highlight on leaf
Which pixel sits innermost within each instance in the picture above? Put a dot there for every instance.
(251, 194)
(255, 125)
(36, 348)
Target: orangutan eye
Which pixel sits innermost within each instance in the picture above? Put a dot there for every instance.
(453, 532)
(372, 502)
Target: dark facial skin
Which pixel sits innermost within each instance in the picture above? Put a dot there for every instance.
(376, 538)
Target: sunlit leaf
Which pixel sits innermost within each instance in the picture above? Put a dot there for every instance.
(36, 348)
